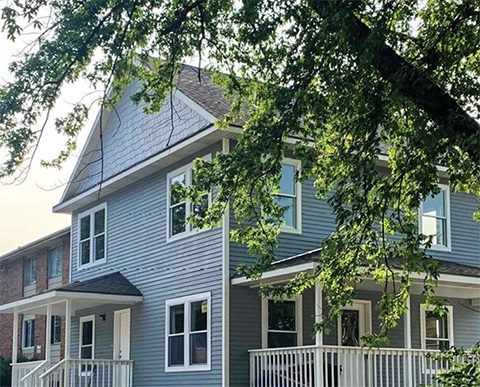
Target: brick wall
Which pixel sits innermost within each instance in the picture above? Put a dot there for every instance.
(11, 289)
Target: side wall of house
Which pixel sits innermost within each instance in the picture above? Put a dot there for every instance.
(137, 247)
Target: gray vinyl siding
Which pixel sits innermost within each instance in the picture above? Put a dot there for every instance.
(131, 136)
(137, 247)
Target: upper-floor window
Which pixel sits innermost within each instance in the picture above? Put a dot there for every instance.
(92, 235)
(28, 332)
(29, 271)
(179, 207)
(435, 218)
(289, 196)
(436, 330)
(188, 333)
(55, 262)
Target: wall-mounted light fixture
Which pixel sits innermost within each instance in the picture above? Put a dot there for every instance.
(103, 317)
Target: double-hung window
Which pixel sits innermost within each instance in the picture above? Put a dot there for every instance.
(435, 218)
(282, 323)
(87, 337)
(55, 262)
(179, 207)
(92, 236)
(28, 332)
(29, 271)
(289, 196)
(188, 333)
(436, 330)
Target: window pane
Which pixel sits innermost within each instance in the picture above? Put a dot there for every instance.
(287, 181)
(198, 348)
(54, 262)
(85, 227)
(435, 206)
(56, 331)
(175, 350)
(177, 216)
(100, 247)
(281, 339)
(86, 352)
(200, 208)
(177, 319)
(281, 315)
(29, 271)
(99, 222)
(87, 333)
(436, 327)
(85, 252)
(199, 316)
(350, 328)
(177, 189)
(289, 205)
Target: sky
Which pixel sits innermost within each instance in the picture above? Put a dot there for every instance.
(26, 208)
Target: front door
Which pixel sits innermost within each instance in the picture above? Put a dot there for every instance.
(121, 346)
(353, 324)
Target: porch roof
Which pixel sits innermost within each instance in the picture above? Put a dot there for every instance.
(112, 288)
(450, 272)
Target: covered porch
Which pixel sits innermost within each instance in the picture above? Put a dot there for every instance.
(284, 351)
(79, 366)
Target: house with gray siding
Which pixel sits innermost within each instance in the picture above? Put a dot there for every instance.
(153, 301)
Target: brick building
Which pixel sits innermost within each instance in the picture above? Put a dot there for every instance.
(29, 270)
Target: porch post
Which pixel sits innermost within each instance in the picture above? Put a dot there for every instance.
(318, 336)
(15, 338)
(68, 318)
(48, 332)
(407, 337)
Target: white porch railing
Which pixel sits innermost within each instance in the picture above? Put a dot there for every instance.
(32, 379)
(333, 366)
(89, 373)
(20, 370)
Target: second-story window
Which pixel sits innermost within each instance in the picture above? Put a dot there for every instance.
(92, 235)
(434, 218)
(55, 262)
(179, 207)
(288, 196)
(29, 271)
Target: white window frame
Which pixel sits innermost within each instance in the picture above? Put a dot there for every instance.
(423, 321)
(189, 229)
(31, 260)
(186, 302)
(25, 319)
(55, 248)
(298, 320)
(364, 307)
(448, 246)
(52, 332)
(80, 337)
(91, 212)
(297, 229)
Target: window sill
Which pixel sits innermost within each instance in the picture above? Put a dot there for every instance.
(440, 248)
(203, 367)
(90, 265)
(187, 234)
(290, 230)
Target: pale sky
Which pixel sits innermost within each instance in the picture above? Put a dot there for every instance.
(26, 209)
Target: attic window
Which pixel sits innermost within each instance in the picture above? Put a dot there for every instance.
(92, 236)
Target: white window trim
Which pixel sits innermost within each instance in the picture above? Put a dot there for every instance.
(91, 212)
(436, 247)
(186, 301)
(52, 334)
(356, 304)
(30, 259)
(423, 328)
(189, 230)
(80, 337)
(25, 319)
(298, 319)
(298, 200)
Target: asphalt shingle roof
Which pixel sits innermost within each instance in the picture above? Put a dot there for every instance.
(446, 267)
(114, 283)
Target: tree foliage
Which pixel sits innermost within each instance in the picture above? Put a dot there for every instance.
(347, 79)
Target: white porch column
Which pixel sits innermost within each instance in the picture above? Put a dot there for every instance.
(407, 337)
(48, 332)
(68, 322)
(319, 361)
(15, 338)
